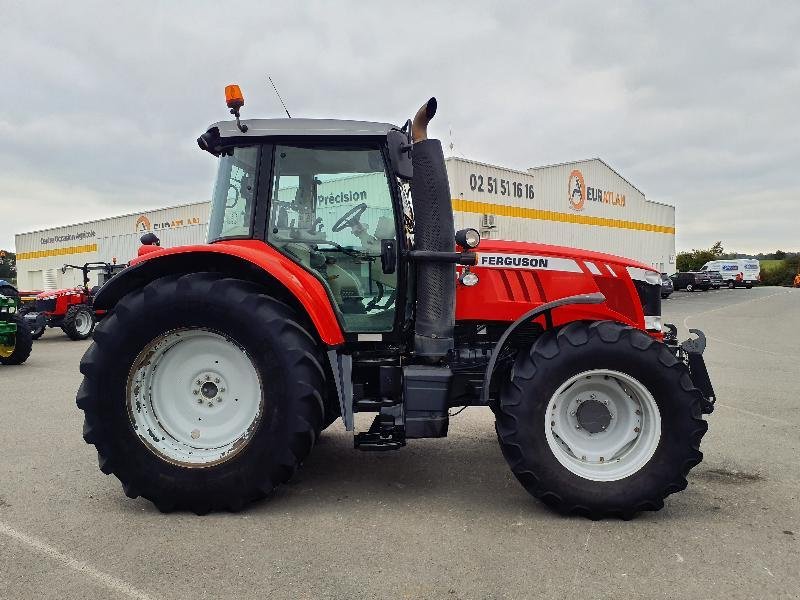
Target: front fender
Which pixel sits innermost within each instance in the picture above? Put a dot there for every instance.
(543, 309)
(247, 259)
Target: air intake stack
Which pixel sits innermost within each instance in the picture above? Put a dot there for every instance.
(433, 231)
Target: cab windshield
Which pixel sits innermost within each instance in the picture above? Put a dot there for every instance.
(232, 204)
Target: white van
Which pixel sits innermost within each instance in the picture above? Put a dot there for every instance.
(735, 272)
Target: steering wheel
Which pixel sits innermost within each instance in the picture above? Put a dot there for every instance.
(349, 218)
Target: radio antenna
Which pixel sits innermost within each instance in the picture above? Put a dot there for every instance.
(277, 93)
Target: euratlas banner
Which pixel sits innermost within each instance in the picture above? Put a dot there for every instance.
(526, 261)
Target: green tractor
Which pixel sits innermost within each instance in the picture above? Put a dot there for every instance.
(15, 337)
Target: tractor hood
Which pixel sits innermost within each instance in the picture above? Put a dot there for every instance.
(50, 294)
(515, 277)
(488, 247)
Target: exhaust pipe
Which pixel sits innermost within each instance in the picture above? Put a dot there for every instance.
(433, 231)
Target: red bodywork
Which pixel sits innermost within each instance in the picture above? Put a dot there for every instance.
(505, 294)
(502, 294)
(56, 303)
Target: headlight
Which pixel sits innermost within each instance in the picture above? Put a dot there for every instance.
(652, 323)
(468, 278)
(468, 238)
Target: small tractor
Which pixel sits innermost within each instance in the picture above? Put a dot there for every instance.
(71, 309)
(333, 283)
(15, 337)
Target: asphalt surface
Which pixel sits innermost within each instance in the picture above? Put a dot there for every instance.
(438, 519)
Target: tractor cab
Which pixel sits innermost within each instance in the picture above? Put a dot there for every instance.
(329, 200)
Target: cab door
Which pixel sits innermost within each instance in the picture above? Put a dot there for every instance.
(331, 210)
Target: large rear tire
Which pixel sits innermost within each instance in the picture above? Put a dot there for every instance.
(640, 434)
(22, 345)
(78, 322)
(251, 409)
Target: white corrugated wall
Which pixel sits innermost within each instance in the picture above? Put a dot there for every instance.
(41, 254)
(639, 229)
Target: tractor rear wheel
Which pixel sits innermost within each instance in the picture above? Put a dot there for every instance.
(202, 393)
(78, 322)
(600, 419)
(21, 350)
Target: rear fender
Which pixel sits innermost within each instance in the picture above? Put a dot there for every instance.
(246, 259)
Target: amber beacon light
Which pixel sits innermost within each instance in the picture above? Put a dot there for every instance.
(233, 97)
(235, 100)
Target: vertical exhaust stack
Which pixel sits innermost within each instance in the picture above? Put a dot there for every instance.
(433, 231)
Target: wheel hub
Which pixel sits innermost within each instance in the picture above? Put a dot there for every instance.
(593, 416)
(194, 397)
(603, 425)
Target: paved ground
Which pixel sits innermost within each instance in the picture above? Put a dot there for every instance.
(440, 519)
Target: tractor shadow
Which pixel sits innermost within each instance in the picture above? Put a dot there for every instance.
(460, 470)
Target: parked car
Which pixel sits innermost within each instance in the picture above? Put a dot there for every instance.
(716, 279)
(691, 281)
(666, 286)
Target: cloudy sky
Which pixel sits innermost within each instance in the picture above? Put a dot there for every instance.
(698, 104)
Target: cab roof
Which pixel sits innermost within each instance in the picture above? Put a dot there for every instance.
(302, 127)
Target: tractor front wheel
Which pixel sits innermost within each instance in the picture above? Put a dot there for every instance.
(600, 419)
(202, 393)
(78, 322)
(21, 350)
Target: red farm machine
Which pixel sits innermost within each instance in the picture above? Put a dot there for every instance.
(333, 283)
(71, 309)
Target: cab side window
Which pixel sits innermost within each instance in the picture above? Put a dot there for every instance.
(329, 211)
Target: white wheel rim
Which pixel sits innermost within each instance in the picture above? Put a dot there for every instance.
(194, 397)
(83, 322)
(619, 450)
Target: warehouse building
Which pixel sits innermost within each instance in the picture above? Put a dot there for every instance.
(583, 204)
(42, 254)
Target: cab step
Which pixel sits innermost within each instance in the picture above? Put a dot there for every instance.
(383, 435)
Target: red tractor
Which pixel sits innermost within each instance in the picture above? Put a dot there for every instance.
(71, 309)
(333, 284)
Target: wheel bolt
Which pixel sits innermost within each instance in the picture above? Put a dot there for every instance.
(208, 377)
(552, 423)
(221, 390)
(602, 459)
(216, 380)
(577, 426)
(195, 392)
(636, 429)
(219, 399)
(572, 414)
(638, 412)
(198, 382)
(211, 404)
(592, 396)
(199, 400)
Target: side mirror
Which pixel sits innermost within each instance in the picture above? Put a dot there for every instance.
(399, 141)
